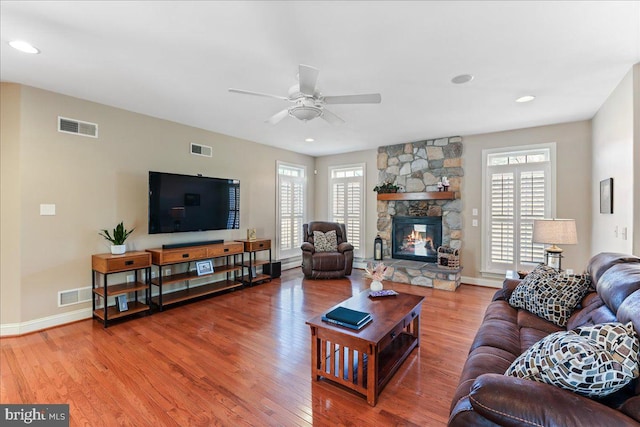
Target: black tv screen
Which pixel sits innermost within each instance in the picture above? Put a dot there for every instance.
(180, 203)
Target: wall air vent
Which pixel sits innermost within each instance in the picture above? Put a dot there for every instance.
(74, 296)
(77, 127)
(201, 150)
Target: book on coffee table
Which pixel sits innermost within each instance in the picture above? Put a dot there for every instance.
(357, 327)
(347, 316)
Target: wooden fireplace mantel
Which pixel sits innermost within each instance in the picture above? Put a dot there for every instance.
(428, 195)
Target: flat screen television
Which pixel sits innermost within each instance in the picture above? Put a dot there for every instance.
(179, 203)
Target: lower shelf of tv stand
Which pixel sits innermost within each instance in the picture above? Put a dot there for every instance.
(195, 292)
(113, 313)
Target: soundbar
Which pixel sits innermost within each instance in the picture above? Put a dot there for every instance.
(187, 244)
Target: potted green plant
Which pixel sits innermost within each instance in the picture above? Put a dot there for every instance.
(387, 187)
(117, 238)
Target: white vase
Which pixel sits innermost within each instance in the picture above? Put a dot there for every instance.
(118, 249)
(376, 285)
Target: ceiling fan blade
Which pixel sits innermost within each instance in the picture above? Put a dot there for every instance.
(267, 95)
(331, 118)
(308, 78)
(367, 98)
(278, 116)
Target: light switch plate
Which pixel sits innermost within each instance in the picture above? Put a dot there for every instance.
(474, 212)
(47, 209)
(474, 223)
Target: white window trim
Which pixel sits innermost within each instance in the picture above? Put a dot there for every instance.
(363, 239)
(551, 146)
(280, 163)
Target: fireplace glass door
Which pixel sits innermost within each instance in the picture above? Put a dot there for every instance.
(416, 238)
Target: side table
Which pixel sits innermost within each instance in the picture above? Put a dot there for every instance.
(252, 247)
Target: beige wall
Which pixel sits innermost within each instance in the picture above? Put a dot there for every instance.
(369, 157)
(573, 190)
(613, 157)
(10, 244)
(636, 159)
(95, 183)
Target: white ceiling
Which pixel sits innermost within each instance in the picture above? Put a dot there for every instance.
(176, 60)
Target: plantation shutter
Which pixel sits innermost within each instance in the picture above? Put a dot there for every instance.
(502, 218)
(518, 192)
(291, 215)
(532, 206)
(347, 203)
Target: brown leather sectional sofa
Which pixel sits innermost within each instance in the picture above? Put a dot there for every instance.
(486, 397)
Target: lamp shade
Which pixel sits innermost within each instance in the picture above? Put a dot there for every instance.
(555, 231)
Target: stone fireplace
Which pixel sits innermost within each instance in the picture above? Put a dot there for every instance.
(416, 238)
(418, 167)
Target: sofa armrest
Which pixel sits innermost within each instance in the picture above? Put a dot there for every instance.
(507, 289)
(344, 247)
(308, 247)
(511, 401)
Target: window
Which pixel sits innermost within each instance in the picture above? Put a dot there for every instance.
(346, 202)
(518, 188)
(292, 195)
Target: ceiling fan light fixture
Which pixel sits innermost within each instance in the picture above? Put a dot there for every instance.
(461, 79)
(305, 112)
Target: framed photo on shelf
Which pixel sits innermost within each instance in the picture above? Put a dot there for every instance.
(251, 234)
(204, 267)
(121, 303)
(606, 196)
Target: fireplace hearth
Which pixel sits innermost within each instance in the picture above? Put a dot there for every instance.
(416, 238)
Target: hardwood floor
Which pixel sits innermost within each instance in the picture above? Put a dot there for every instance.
(238, 359)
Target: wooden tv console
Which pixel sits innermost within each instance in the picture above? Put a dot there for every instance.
(223, 253)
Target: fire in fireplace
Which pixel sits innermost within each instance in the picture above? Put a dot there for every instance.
(416, 238)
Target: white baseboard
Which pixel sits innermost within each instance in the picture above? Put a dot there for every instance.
(288, 264)
(479, 281)
(22, 328)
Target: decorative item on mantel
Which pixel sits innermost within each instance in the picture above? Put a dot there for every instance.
(443, 184)
(387, 187)
(376, 274)
(118, 238)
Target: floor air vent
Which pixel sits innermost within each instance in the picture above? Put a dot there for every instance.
(201, 150)
(74, 296)
(77, 127)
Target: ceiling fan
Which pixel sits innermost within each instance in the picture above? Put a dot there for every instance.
(308, 102)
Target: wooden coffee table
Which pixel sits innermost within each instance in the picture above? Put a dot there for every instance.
(365, 360)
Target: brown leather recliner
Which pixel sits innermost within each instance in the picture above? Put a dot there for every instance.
(326, 265)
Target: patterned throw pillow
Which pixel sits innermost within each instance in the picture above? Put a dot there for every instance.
(591, 361)
(325, 242)
(549, 294)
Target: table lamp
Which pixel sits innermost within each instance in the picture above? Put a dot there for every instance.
(554, 232)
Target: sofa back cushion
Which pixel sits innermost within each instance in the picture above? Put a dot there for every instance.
(603, 261)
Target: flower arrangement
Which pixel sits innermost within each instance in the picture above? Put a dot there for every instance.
(375, 273)
(387, 187)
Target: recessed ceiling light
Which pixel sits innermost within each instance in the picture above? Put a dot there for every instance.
(309, 140)
(462, 78)
(23, 46)
(526, 98)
